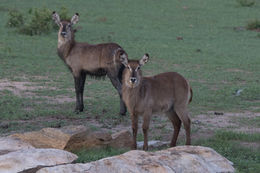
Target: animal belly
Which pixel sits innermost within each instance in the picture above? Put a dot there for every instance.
(162, 108)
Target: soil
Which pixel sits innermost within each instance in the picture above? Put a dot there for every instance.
(203, 125)
(26, 89)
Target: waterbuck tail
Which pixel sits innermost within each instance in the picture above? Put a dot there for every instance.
(191, 94)
(117, 63)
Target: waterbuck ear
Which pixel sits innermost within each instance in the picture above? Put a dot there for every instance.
(123, 58)
(56, 18)
(74, 19)
(144, 59)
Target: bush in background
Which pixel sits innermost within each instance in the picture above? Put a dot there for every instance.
(253, 25)
(16, 18)
(39, 21)
(246, 3)
(63, 12)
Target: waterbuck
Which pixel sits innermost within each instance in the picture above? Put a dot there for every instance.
(86, 59)
(167, 93)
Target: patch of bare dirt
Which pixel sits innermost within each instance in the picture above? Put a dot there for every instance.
(227, 121)
(18, 88)
(27, 89)
(203, 126)
(250, 144)
(237, 70)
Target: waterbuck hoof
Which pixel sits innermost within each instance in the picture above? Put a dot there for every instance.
(122, 114)
(145, 149)
(134, 146)
(78, 110)
(172, 145)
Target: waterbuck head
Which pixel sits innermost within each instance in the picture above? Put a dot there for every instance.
(66, 32)
(132, 74)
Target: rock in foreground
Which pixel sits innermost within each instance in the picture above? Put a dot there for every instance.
(29, 158)
(8, 144)
(173, 160)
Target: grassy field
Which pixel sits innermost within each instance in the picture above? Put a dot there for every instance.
(205, 41)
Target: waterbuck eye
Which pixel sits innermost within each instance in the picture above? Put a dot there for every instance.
(129, 68)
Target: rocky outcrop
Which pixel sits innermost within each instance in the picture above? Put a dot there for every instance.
(122, 139)
(73, 138)
(19, 153)
(8, 144)
(50, 137)
(180, 159)
(20, 160)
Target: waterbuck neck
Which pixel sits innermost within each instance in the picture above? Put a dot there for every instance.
(64, 46)
(133, 93)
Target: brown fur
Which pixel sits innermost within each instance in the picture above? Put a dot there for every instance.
(86, 59)
(167, 93)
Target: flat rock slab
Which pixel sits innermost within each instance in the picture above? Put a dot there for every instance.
(179, 159)
(20, 160)
(73, 138)
(8, 144)
(50, 137)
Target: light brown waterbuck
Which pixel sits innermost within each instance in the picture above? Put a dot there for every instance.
(85, 59)
(168, 93)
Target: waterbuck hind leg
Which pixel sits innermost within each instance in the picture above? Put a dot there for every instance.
(182, 113)
(79, 89)
(176, 122)
(118, 86)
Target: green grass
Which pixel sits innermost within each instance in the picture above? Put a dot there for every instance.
(203, 25)
(227, 143)
(245, 159)
(96, 154)
(227, 60)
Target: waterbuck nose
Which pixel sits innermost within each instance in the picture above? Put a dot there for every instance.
(133, 79)
(63, 33)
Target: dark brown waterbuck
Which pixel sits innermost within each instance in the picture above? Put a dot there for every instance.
(168, 93)
(85, 59)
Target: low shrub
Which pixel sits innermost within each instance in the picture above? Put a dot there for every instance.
(246, 3)
(39, 21)
(253, 25)
(16, 18)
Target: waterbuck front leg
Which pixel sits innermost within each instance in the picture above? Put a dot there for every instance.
(134, 128)
(117, 84)
(79, 89)
(146, 122)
